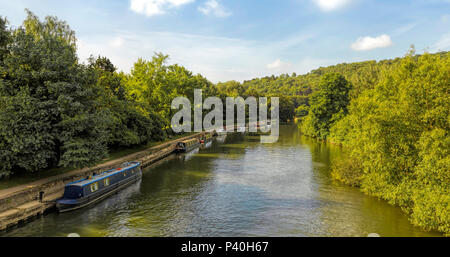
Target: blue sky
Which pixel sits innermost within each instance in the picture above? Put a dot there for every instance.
(242, 39)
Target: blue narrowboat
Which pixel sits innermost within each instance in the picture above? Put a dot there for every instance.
(87, 191)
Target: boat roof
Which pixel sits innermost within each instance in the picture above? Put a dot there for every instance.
(105, 174)
(189, 140)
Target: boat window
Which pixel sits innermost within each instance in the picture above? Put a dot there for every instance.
(106, 181)
(72, 192)
(94, 187)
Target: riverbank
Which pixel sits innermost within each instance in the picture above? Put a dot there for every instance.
(236, 187)
(21, 203)
(349, 171)
(17, 180)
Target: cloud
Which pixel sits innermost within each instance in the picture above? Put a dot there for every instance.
(212, 7)
(369, 43)
(155, 7)
(216, 58)
(331, 5)
(117, 42)
(443, 44)
(406, 28)
(278, 64)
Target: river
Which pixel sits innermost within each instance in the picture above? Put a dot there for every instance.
(236, 187)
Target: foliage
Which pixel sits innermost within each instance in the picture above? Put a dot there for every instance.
(128, 126)
(328, 104)
(154, 84)
(48, 101)
(392, 116)
(397, 133)
(348, 171)
(302, 111)
(393, 121)
(58, 112)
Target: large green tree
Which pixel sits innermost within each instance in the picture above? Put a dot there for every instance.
(128, 126)
(154, 84)
(49, 102)
(328, 105)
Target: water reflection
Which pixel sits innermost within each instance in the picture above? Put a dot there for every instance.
(236, 187)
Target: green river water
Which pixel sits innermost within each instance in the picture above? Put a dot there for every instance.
(236, 187)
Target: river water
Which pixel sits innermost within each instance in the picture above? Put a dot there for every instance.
(236, 187)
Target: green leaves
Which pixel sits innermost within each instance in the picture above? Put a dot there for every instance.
(27, 138)
(328, 105)
(397, 132)
(50, 28)
(49, 102)
(154, 84)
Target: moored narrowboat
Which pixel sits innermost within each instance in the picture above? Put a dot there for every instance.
(87, 191)
(187, 145)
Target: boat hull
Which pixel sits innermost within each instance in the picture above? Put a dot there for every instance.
(64, 205)
(187, 147)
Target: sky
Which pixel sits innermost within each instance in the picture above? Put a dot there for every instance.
(243, 39)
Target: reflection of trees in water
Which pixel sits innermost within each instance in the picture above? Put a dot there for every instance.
(188, 155)
(165, 204)
(346, 210)
(182, 196)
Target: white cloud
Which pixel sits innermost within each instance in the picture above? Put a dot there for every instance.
(216, 58)
(443, 44)
(117, 42)
(369, 43)
(278, 65)
(155, 7)
(212, 7)
(331, 5)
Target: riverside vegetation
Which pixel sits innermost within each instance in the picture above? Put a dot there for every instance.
(395, 131)
(391, 117)
(56, 111)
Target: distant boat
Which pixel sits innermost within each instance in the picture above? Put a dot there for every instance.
(187, 145)
(206, 145)
(241, 130)
(87, 191)
(221, 131)
(206, 138)
(221, 138)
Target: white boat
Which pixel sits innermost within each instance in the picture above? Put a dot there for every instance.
(241, 130)
(221, 131)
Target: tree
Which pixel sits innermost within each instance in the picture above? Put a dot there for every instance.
(50, 28)
(301, 111)
(398, 136)
(287, 108)
(329, 103)
(128, 126)
(5, 36)
(49, 103)
(154, 84)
